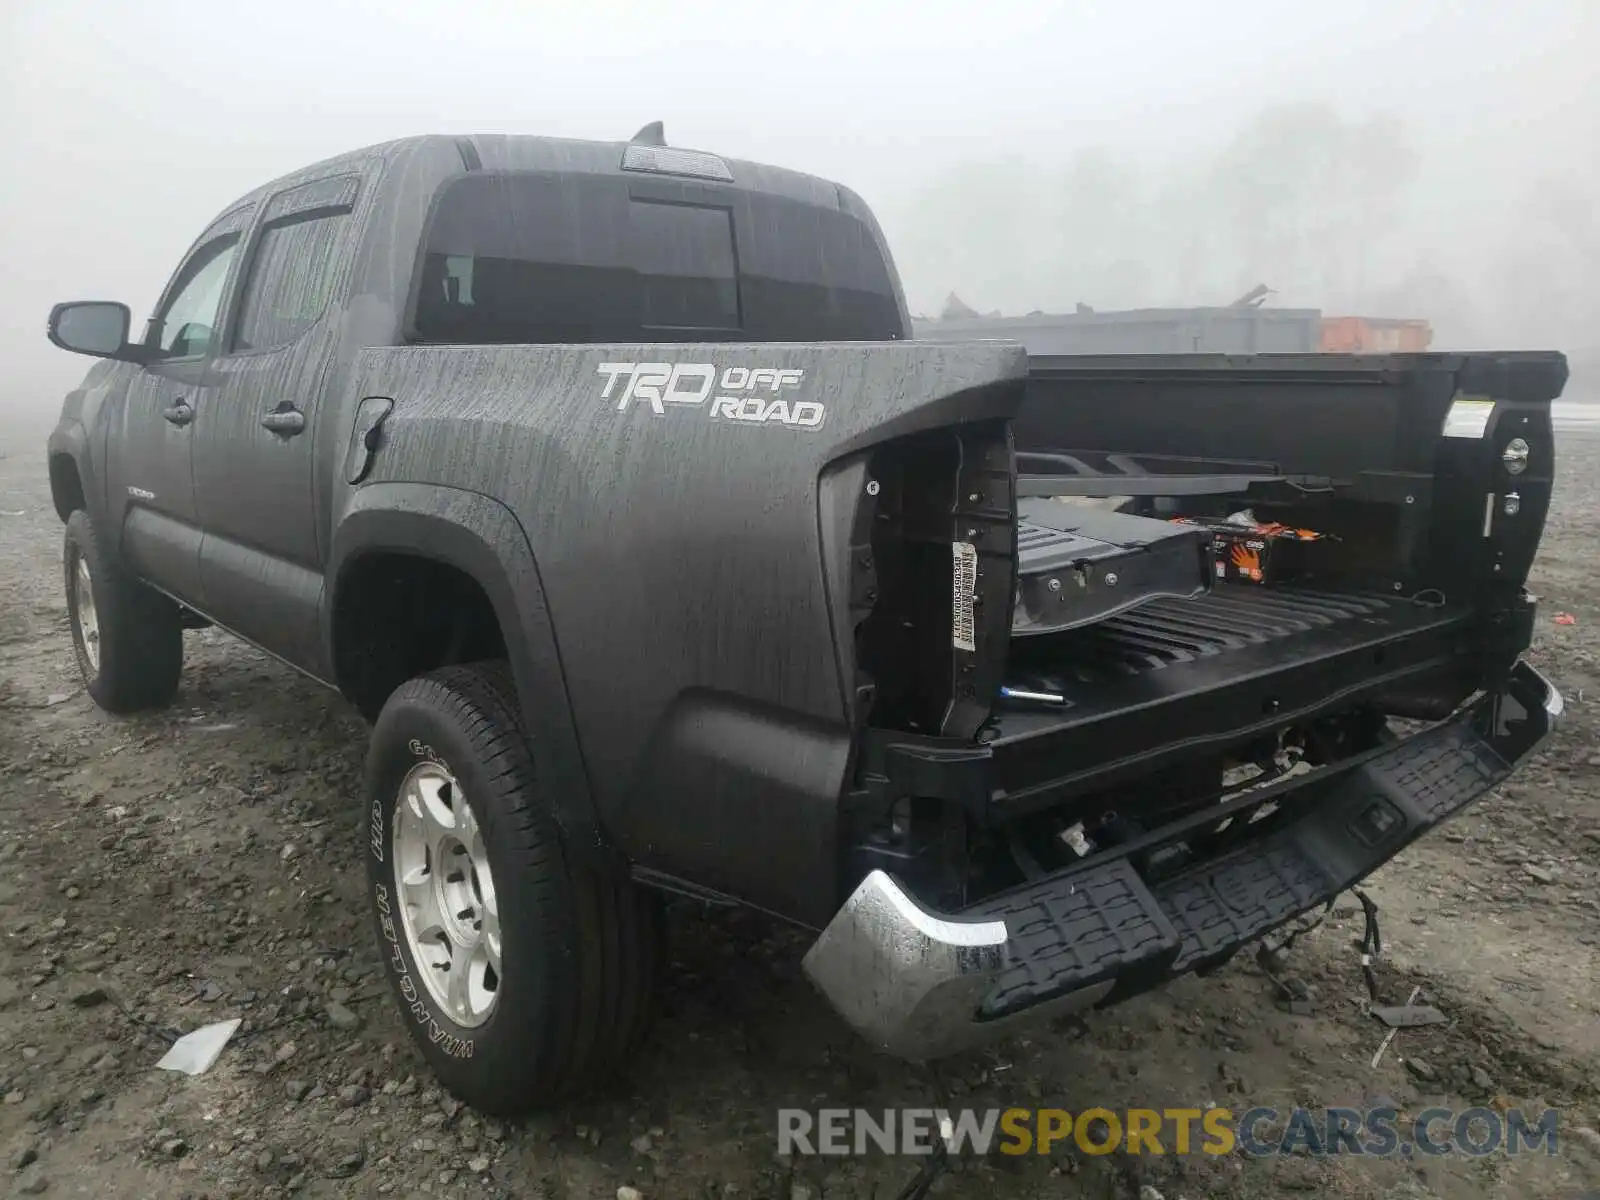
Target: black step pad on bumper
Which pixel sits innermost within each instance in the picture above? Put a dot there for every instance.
(1102, 922)
(1071, 934)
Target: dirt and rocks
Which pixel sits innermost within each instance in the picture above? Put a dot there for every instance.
(161, 873)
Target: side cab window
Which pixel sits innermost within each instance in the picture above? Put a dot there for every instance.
(189, 316)
(294, 265)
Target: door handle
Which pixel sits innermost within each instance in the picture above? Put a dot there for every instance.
(286, 421)
(179, 414)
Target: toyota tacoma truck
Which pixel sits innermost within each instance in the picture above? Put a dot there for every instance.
(606, 481)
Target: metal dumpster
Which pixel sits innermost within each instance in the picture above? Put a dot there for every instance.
(1232, 330)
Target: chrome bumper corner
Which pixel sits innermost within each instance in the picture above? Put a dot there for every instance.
(909, 982)
(1527, 711)
(1554, 705)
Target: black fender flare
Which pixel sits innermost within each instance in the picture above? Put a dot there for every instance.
(69, 440)
(480, 536)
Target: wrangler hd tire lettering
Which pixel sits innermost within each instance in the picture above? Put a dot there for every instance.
(580, 952)
(128, 637)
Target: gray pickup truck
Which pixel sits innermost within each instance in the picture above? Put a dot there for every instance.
(606, 481)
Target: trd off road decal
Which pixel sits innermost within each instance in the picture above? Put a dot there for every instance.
(748, 395)
(455, 1047)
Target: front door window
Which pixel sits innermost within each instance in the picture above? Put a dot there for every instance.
(187, 325)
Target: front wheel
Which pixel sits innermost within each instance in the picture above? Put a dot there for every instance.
(522, 976)
(128, 637)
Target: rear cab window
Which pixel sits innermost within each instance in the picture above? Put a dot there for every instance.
(542, 257)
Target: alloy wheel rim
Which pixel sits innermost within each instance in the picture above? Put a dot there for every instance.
(449, 910)
(88, 618)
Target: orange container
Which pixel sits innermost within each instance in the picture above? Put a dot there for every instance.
(1374, 335)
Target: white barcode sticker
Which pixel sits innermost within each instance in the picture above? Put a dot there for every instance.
(964, 588)
(1468, 417)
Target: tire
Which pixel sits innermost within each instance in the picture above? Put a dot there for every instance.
(568, 998)
(129, 637)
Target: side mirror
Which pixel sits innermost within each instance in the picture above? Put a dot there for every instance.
(98, 328)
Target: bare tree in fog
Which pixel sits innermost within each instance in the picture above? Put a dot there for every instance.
(1103, 216)
(1457, 311)
(1333, 211)
(983, 228)
(1311, 199)
(1552, 276)
(1300, 196)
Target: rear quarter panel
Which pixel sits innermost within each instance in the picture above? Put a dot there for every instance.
(683, 565)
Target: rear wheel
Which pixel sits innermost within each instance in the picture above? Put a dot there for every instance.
(523, 976)
(127, 636)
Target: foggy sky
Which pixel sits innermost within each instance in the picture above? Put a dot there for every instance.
(128, 126)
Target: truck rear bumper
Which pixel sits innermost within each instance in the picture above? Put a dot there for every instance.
(920, 984)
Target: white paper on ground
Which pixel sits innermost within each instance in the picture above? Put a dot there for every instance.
(194, 1053)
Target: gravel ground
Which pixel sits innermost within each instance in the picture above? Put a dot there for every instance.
(204, 863)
